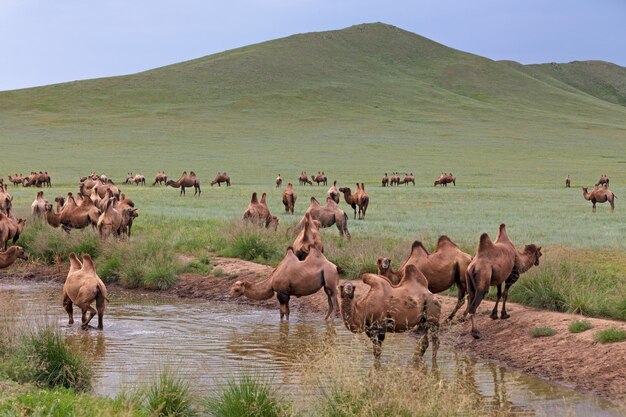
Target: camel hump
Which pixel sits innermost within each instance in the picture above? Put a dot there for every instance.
(502, 234)
(375, 281)
(445, 240)
(362, 186)
(418, 245)
(88, 265)
(485, 243)
(411, 273)
(254, 198)
(75, 264)
(263, 198)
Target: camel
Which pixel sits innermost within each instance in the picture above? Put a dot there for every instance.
(333, 192)
(303, 179)
(74, 216)
(289, 198)
(308, 237)
(37, 179)
(82, 287)
(599, 195)
(320, 178)
(220, 178)
(279, 181)
(293, 277)
(360, 199)
(129, 178)
(394, 309)
(443, 268)
(114, 220)
(88, 187)
(17, 179)
(385, 180)
(38, 207)
(445, 179)
(6, 199)
(604, 180)
(11, 255)
(257, 212)
(52, 218)
(407, 179)
(568, 181)
(160, 178)
(186, 180)
(138, 179)
(10, 228)
(395, 179)
(327, 215)
(129, 213)
(495, 263)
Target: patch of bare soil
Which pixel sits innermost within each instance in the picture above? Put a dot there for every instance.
(574, 360)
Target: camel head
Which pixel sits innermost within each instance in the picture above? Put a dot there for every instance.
(48, 207)
(237, 289)
(21, 253)
(383, 264)
(346, 290)
(274, 222)
(535, 251)
(345, 190)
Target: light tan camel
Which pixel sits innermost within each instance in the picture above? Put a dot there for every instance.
(114, 221)
(38, 207)
(289, 198)
(360, 199)
(10, 228)
(293, 277)
(11, 255)
(599, 195)
(185, 181)
(443, 268)
(139, 179)
(82, 287)
(160, 178)
(496, 263)
(16, 179)
(394, 309)
(52, 218)
(309, 236)
(333, 192)
(220, 178)
(327, 216)
(279, 181)
(257, 212)
(74, 216)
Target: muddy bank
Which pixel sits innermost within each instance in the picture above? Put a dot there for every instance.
(574, 360)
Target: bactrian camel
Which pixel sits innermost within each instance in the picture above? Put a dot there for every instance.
(82, 287)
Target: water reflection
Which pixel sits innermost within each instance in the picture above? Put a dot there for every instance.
(209, 342)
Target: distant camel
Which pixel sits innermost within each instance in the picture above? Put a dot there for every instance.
(599, 195)
(360, 199)
(160, 178)
(603, 180)
(279, 181)
(304, 179)
(333, 192)
(327, 215)
(385, 180)
(220, 178)
(257, 212)
(289, 198)
(568, 181)
(320, 178)
(186, 181)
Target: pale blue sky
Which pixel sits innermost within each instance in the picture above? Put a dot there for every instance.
(50, 41)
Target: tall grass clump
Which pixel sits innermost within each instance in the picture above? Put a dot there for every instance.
(247, 397)
(169, 396)
(254, 243)
(579, 326)
(610, 335)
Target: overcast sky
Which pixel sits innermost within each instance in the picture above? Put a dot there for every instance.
(51, 41)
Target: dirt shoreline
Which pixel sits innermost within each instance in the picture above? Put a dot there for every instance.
(576, 361)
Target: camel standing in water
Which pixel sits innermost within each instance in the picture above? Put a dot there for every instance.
(186, 181)
(82, 287)
(599, 195)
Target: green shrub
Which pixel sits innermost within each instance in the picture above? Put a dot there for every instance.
(610, 335)
(247, 397)
(579, 326)
(169, 397)
(542, 332)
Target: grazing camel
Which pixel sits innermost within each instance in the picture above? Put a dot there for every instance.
(320, 178)
(37, 179)
(289, 198)
(17, 179)
(495, 263)
(445, 179)
(220, 178)
(129, 178)
(138, 179)
(443, 268)
(394, 309)
(333, 192)
(185, 181)
(293, 277)
(257, 212)
(568, 181)
(160, 178)
(308, 237)
(10, 228)
(83, 286)
(303, 179)
(11, 255)
(327, 215)
(385, 180)
(360, 199)
(604, 180)
(407, 179)
(599, 195)
(38, 207)
(279, 181)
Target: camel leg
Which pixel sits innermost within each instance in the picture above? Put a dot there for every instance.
(182, 191)
(100, 305)
(478, 298)
(86, 308)
(460, 297)
(504, 314)
(69, 307)
(434, 335)
(494, 312)
(283, 300)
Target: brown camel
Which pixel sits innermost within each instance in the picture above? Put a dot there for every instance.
(257, 212)
(320, 178)
(303, 179)
(82, 287)
(445, 179)
(11, 255)
(38, 207)
(220, 178)
(333, 192)
(443, 268)
(185, 181)
(395, 179)
(139, 179)
(160, 178)
(114, 221)
(10, 228)
(289, 198)
(385, 180)
(394, 309)
(16, 179)
(293, 277)
(52, 218)
(74, 216)
(599, 195)
(496, 263)
(360, 199)
(129, 178)
(309, 236)
(129, 213)
(6, 199)
(279, 181)
(604, 180)
(327, 215)
(408, 178)
(568, 181)
(37, 179)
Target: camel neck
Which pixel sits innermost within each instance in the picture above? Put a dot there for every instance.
(347, 313)
(526, 261)
(260, 290)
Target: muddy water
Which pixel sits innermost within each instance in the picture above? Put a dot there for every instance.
(210, 342)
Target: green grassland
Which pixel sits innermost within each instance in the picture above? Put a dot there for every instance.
(354, 103)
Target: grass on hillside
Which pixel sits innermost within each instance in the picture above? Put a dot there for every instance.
(579, 326)
(610, 335)
(542, 332)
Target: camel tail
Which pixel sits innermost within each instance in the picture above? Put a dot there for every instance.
(478, 296)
